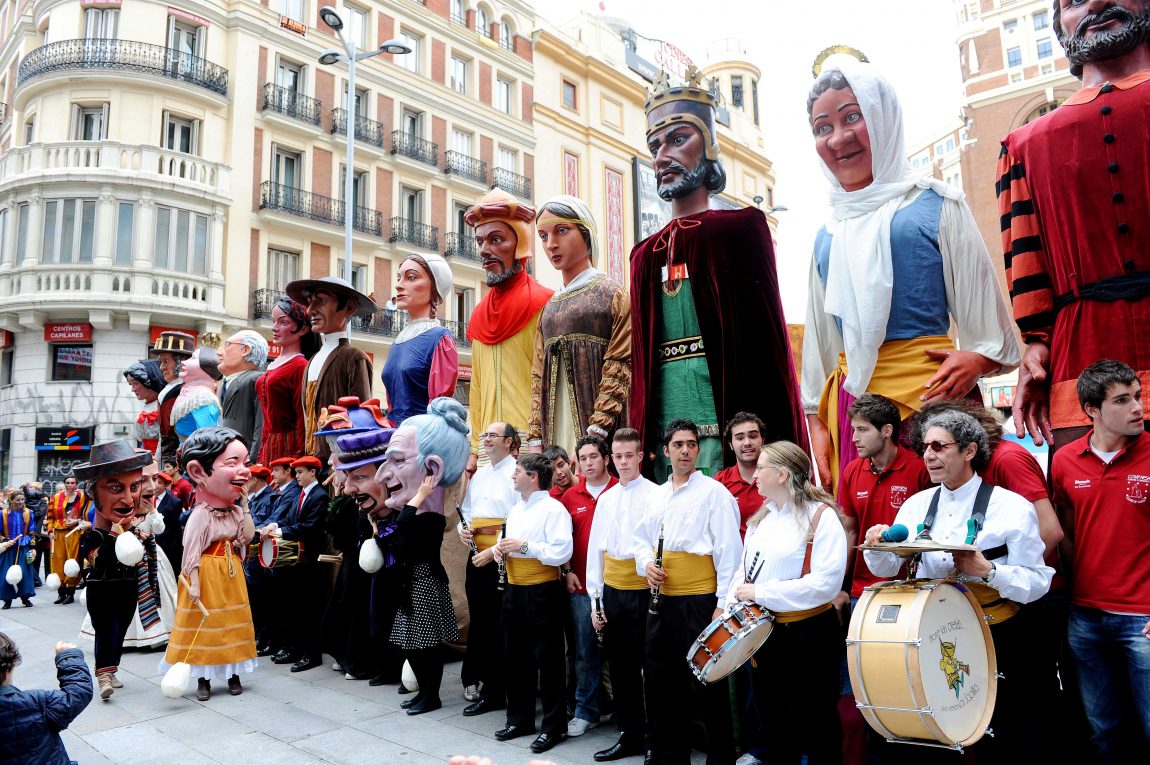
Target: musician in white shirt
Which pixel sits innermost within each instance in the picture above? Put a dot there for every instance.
(793, 565)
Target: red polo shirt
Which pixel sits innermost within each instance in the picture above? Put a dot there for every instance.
(874, 499)
(746, 494)
(1110, 505)
(581, 505)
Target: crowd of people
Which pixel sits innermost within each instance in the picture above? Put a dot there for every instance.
(639, 471)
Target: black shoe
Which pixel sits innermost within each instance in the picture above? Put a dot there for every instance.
(285, 657)
(306, 663)
(482, 706)
(379, 680)
(68, 600)
(545, 741)
(59, 598)
(649, 758)
(266, 650)
(512, 731)
(425, 705)
(6, 606)
(27, 603)
(409, 703)
(618, 751)
(403, 689)
(234, 686)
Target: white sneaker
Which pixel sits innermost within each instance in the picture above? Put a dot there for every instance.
(578, 727)
(336, 667)
(748, 759)
(471, 693)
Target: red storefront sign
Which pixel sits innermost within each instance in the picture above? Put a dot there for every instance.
(68, 332)
(7, 339)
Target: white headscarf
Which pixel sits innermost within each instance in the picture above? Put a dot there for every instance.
(860, 277)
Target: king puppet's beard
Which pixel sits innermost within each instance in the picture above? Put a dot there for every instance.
(1107, 44)
(494, 278)
(685, 182)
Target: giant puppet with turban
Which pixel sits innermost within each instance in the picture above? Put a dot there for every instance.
(582, 367)
(708, 334)
(503, 324)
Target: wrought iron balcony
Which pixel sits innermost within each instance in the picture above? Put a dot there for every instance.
(461, 246)
(304, 204)
(265, 301)
(512, 183)
(461, 20)
(292, 104)
(414, 232)
(466, 167)
(389, 322)
(368, 131)
(3, 111)
(507, 43)
(415, 147)
(125, 55)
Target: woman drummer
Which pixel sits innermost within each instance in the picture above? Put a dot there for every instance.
(794, 560)
(222, 645)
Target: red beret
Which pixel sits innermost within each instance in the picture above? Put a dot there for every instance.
(259, 471)
(162, 477)
(282, 462)
(307, 462)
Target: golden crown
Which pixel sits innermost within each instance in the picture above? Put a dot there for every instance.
(825, 53)
(211, 340)
(694, 88)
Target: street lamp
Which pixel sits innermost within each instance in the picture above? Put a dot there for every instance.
(328, 57)
(757, 199)
(776, 208)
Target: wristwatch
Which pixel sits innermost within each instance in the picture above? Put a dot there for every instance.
(990, 574)
(523, 549)
(564, 571)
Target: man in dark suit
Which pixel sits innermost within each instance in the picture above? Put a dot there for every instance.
(242, 357)
(169, 507)
(285, 490)
(301, 587)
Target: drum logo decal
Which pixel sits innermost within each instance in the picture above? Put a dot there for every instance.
(956, 671)
(1137, 489)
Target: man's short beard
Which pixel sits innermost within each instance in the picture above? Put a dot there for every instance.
(498, 278)
(1108, 44)
(687, 182)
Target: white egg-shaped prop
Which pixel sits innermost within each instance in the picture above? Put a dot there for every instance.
(52, 582)
(175, 682)
(71, 568)
(370, 558)
(408, 677)
(129, 551)
(15, 575)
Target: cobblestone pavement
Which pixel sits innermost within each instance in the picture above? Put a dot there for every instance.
(295, 719)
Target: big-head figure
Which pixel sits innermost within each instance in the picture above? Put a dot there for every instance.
(432, 444)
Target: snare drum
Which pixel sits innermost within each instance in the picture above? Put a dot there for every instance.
(277, 552)
(727, 642)
(921, 662)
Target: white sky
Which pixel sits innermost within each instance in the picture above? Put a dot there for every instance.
(911, 41)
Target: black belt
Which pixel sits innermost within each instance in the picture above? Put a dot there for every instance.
(1121, 287)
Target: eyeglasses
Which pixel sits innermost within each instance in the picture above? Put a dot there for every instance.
(937, 446)
(493, 435)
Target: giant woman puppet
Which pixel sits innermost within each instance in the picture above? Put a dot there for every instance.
(708, 334)
(899, 259)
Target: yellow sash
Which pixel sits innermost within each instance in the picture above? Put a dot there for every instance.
(525, 571)
(689, 574)
(786, 617)
(900, 373)
(620, 574)
(996, 608)
(486, 531)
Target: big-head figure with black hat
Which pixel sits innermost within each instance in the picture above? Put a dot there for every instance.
(338, 369)
(695, 355)
(170, 349)
(502, 326)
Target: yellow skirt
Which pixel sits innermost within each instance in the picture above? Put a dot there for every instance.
(65, 548)
(227, 635)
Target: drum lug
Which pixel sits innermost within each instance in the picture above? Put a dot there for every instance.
(989, 732)
(1000, 676)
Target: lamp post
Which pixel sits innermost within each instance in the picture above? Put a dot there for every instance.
(328, 57)
(776, 208)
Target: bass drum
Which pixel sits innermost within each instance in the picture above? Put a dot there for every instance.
(921, 662)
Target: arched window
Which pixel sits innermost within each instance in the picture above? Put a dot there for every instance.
(1044, 110)
(482, 21)
(506, 34)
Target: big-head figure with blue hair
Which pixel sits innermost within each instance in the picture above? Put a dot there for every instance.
(434, 444)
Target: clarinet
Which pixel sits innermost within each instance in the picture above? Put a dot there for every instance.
(501, 562)
(653, 608)
(599, 613)
(466, 527)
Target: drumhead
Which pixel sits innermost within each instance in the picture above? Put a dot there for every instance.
(269, 551)
(736, 651)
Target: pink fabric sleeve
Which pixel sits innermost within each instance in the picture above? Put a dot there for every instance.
(444, 369)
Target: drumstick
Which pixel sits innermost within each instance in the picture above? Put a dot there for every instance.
(199, 603)
(747, 572)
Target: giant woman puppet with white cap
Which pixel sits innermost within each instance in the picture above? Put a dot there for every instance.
(899, 259)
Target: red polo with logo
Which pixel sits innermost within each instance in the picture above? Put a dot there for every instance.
(581, 505)
(1110, 507)
(873, 499)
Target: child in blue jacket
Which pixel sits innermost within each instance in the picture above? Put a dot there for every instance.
(31, 721)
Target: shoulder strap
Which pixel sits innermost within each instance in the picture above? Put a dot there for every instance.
(931, 512)
(811, 539)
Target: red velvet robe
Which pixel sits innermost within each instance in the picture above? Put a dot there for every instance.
(731, 263)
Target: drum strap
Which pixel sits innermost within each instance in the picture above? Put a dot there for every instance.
(973, 525)
(811, 539)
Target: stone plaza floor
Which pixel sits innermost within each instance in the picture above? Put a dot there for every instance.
(295, 719)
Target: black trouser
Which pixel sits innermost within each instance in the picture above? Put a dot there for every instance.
(427, 664)
(259, 587)
(533, 617)
(796, 679)
(112, 605)
(672, 692)
(484, 661)
(623, 642)
(302, 591)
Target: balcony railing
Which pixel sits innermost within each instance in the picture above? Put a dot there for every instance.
(464, 166)
(415, 147)
(507, 43)
(414, 232)
(389, 322)
(125, 55)
(304, 204)
(368, 131)
(292, 104)
(265, 301)
(461, 20)
(512, 183)
(3, 112)
(461, 246)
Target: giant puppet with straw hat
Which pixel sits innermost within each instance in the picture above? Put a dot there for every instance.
(708, 334)
(503, 324)
(337, 369)
(171, 349)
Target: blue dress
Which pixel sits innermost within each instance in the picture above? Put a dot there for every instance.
(13, 526)
(407, 373)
